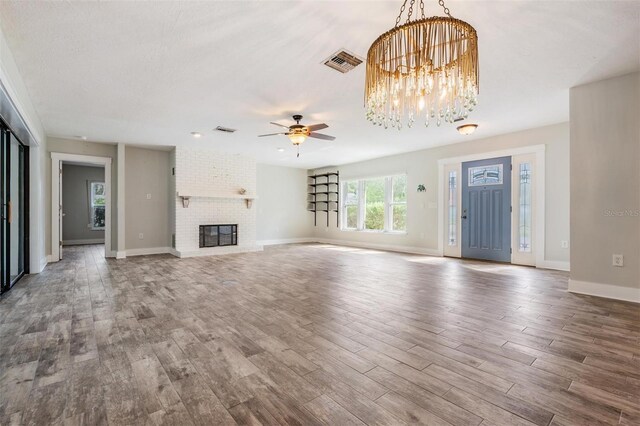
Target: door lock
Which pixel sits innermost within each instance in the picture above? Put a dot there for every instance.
(464, 214)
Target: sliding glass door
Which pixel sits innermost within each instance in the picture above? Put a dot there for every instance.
(14, 209)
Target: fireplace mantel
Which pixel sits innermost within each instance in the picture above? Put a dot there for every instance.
(187, 195)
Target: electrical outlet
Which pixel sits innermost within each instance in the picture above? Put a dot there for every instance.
(618, 260)
(148, 196)
(141, 236)
(564, 244)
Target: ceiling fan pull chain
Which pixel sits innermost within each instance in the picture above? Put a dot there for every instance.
(422, 9)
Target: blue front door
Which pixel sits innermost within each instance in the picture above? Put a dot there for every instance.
(486, 209)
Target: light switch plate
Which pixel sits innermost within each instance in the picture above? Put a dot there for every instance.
(564, 244)
(141, 236)
(148, 196)
(618, 260)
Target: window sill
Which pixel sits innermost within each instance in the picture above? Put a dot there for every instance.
(373, 231)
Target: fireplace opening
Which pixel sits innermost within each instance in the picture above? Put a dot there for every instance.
(218, 235)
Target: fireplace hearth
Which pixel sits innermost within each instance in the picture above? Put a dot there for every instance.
(218, 235)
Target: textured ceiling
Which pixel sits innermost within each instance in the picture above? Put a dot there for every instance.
(152, 72)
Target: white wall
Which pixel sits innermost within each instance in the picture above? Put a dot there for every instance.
(76, 223)
(13, 85)
(147, 174)
(203, 171)
(605, 187)
(281, 210)
(421, 167)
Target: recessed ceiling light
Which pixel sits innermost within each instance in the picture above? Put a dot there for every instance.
(467, 129)
(280, 149)
(196, 134)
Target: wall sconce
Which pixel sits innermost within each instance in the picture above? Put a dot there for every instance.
(185, 202)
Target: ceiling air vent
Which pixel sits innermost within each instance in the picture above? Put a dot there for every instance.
(225, 129)
(343, 61)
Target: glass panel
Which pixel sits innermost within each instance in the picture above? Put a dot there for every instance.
(399, 189)
(453, 209)
(98, 201)
(374, 204)
(351, 192)
(399, 217)
(4, 198)
(485, 175)
(16, 210)
(524, 229)
(352, 216)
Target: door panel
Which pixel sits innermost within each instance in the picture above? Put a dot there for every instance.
(486, 209)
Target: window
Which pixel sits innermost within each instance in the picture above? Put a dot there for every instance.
(351, 201)
(398, 204)
(485, 175)
(524, 226)
(376, 204)
(453, 209)
(97, 203)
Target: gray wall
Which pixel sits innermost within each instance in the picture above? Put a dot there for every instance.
(147, 173)
(76, 223)
(281, 210)
(605, 182)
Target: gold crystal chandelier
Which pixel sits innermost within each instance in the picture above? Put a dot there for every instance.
(425, 69)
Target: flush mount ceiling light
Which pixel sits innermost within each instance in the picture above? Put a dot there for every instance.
(280, 149)
(426, 68)
(467, 129)
(196, 134)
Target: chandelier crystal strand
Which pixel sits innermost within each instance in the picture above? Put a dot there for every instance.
(425, 69)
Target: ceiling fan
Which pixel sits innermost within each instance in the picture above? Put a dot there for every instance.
(297, 133)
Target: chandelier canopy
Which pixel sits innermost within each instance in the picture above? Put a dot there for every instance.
(425, 69)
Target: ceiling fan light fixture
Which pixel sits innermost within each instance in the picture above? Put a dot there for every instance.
(297, 138)
(467, 129)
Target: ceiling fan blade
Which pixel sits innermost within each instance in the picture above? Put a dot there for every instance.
(315, 127)
(271, 134)
(278, 124)
(321, 136)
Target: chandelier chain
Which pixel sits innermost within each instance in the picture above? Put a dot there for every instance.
(404, 5)
(445, 8)
(410, 11)
(401, 12)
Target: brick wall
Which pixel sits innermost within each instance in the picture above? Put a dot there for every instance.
(202, 171)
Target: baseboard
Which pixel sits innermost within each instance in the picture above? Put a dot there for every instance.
(558, 265)
(286, 241)
(43, 263)
(384, 247)
(50, 259)
(217, 251)
(628, 294)
(119, 254)
(147, 251)
(174, 252)
(82, 242)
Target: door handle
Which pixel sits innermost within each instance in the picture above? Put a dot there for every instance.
(9, 215)
(464, 214)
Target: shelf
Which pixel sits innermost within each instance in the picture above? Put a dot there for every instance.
(324, 175)
(195, 194)
(322, 184)
(324, 192)
(319, 201)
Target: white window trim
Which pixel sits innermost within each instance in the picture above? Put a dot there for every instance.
(388, 205)
(539, 181)
(92, 206)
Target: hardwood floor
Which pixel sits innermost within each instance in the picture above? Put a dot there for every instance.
(312, 334)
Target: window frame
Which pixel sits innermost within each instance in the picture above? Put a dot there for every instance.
(92, 205)
(361, 204)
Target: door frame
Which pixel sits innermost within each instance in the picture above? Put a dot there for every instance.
(447, 163)
(56, 164)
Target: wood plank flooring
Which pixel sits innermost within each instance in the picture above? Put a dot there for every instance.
(312, 334)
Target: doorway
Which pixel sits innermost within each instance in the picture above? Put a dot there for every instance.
(89, 203)
(14, 218)
(486, 209)
(523, 170)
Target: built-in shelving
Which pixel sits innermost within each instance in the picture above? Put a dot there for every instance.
(323, 195)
